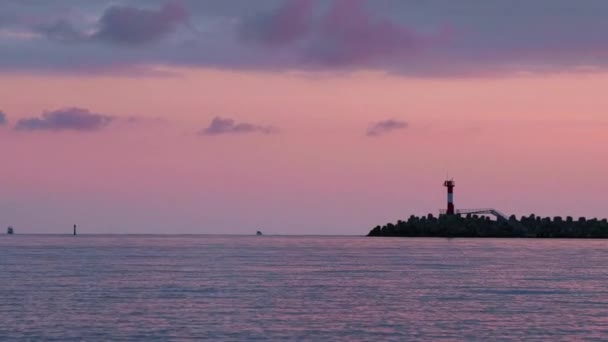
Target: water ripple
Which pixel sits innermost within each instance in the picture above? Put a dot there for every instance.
(159, 288)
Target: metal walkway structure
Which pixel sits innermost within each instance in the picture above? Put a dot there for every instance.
(515, 224)
(487, 211)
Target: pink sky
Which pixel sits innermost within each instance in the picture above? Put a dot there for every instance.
(522, 144)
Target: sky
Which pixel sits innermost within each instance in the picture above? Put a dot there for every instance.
(297, 116)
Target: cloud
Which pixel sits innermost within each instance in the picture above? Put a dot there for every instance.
(133, 26)
(135, 120)
(75, 119)
(119, 25)
(61, 30)
(399, 37)
(386, 126)
(3, 120)
(220, 126)
(286, 24)
(350, 35)
(346, 34)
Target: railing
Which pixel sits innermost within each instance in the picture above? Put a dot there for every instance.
(498, 214)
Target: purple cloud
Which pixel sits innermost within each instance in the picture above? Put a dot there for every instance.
(61, 30)
(121, 25)
(349, 35)
(3, 120)
(75, 119)
(146, 120)
(133, 26)
(345, 35)
(386, 126)
(285, 25)
(220, 126)
(400, 37)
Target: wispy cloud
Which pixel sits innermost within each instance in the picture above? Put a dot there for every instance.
(74, 119)
(384, 127)
(146, 120)
(220, 126)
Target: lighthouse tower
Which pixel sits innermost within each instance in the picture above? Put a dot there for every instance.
(450, 185)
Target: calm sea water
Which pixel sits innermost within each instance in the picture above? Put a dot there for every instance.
(153, 288)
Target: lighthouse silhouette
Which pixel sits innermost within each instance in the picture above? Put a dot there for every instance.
(450, 185)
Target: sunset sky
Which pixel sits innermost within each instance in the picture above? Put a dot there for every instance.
(297, 116)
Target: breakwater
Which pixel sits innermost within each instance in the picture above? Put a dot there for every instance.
(481, 226)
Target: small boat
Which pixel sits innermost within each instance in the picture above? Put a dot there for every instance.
(10, 231)
(259, 233)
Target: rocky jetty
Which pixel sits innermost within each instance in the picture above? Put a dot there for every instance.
(481, 226)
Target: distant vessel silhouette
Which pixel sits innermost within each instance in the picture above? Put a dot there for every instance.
(10, 231)
(258, 233)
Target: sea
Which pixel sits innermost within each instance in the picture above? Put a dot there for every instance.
(301, 288)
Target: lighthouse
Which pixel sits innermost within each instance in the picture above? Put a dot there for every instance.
(450, 185)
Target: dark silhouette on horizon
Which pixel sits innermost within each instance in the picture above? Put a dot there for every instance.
(482, 226)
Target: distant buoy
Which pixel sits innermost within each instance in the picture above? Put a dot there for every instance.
(259, 233)
(10, 231)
